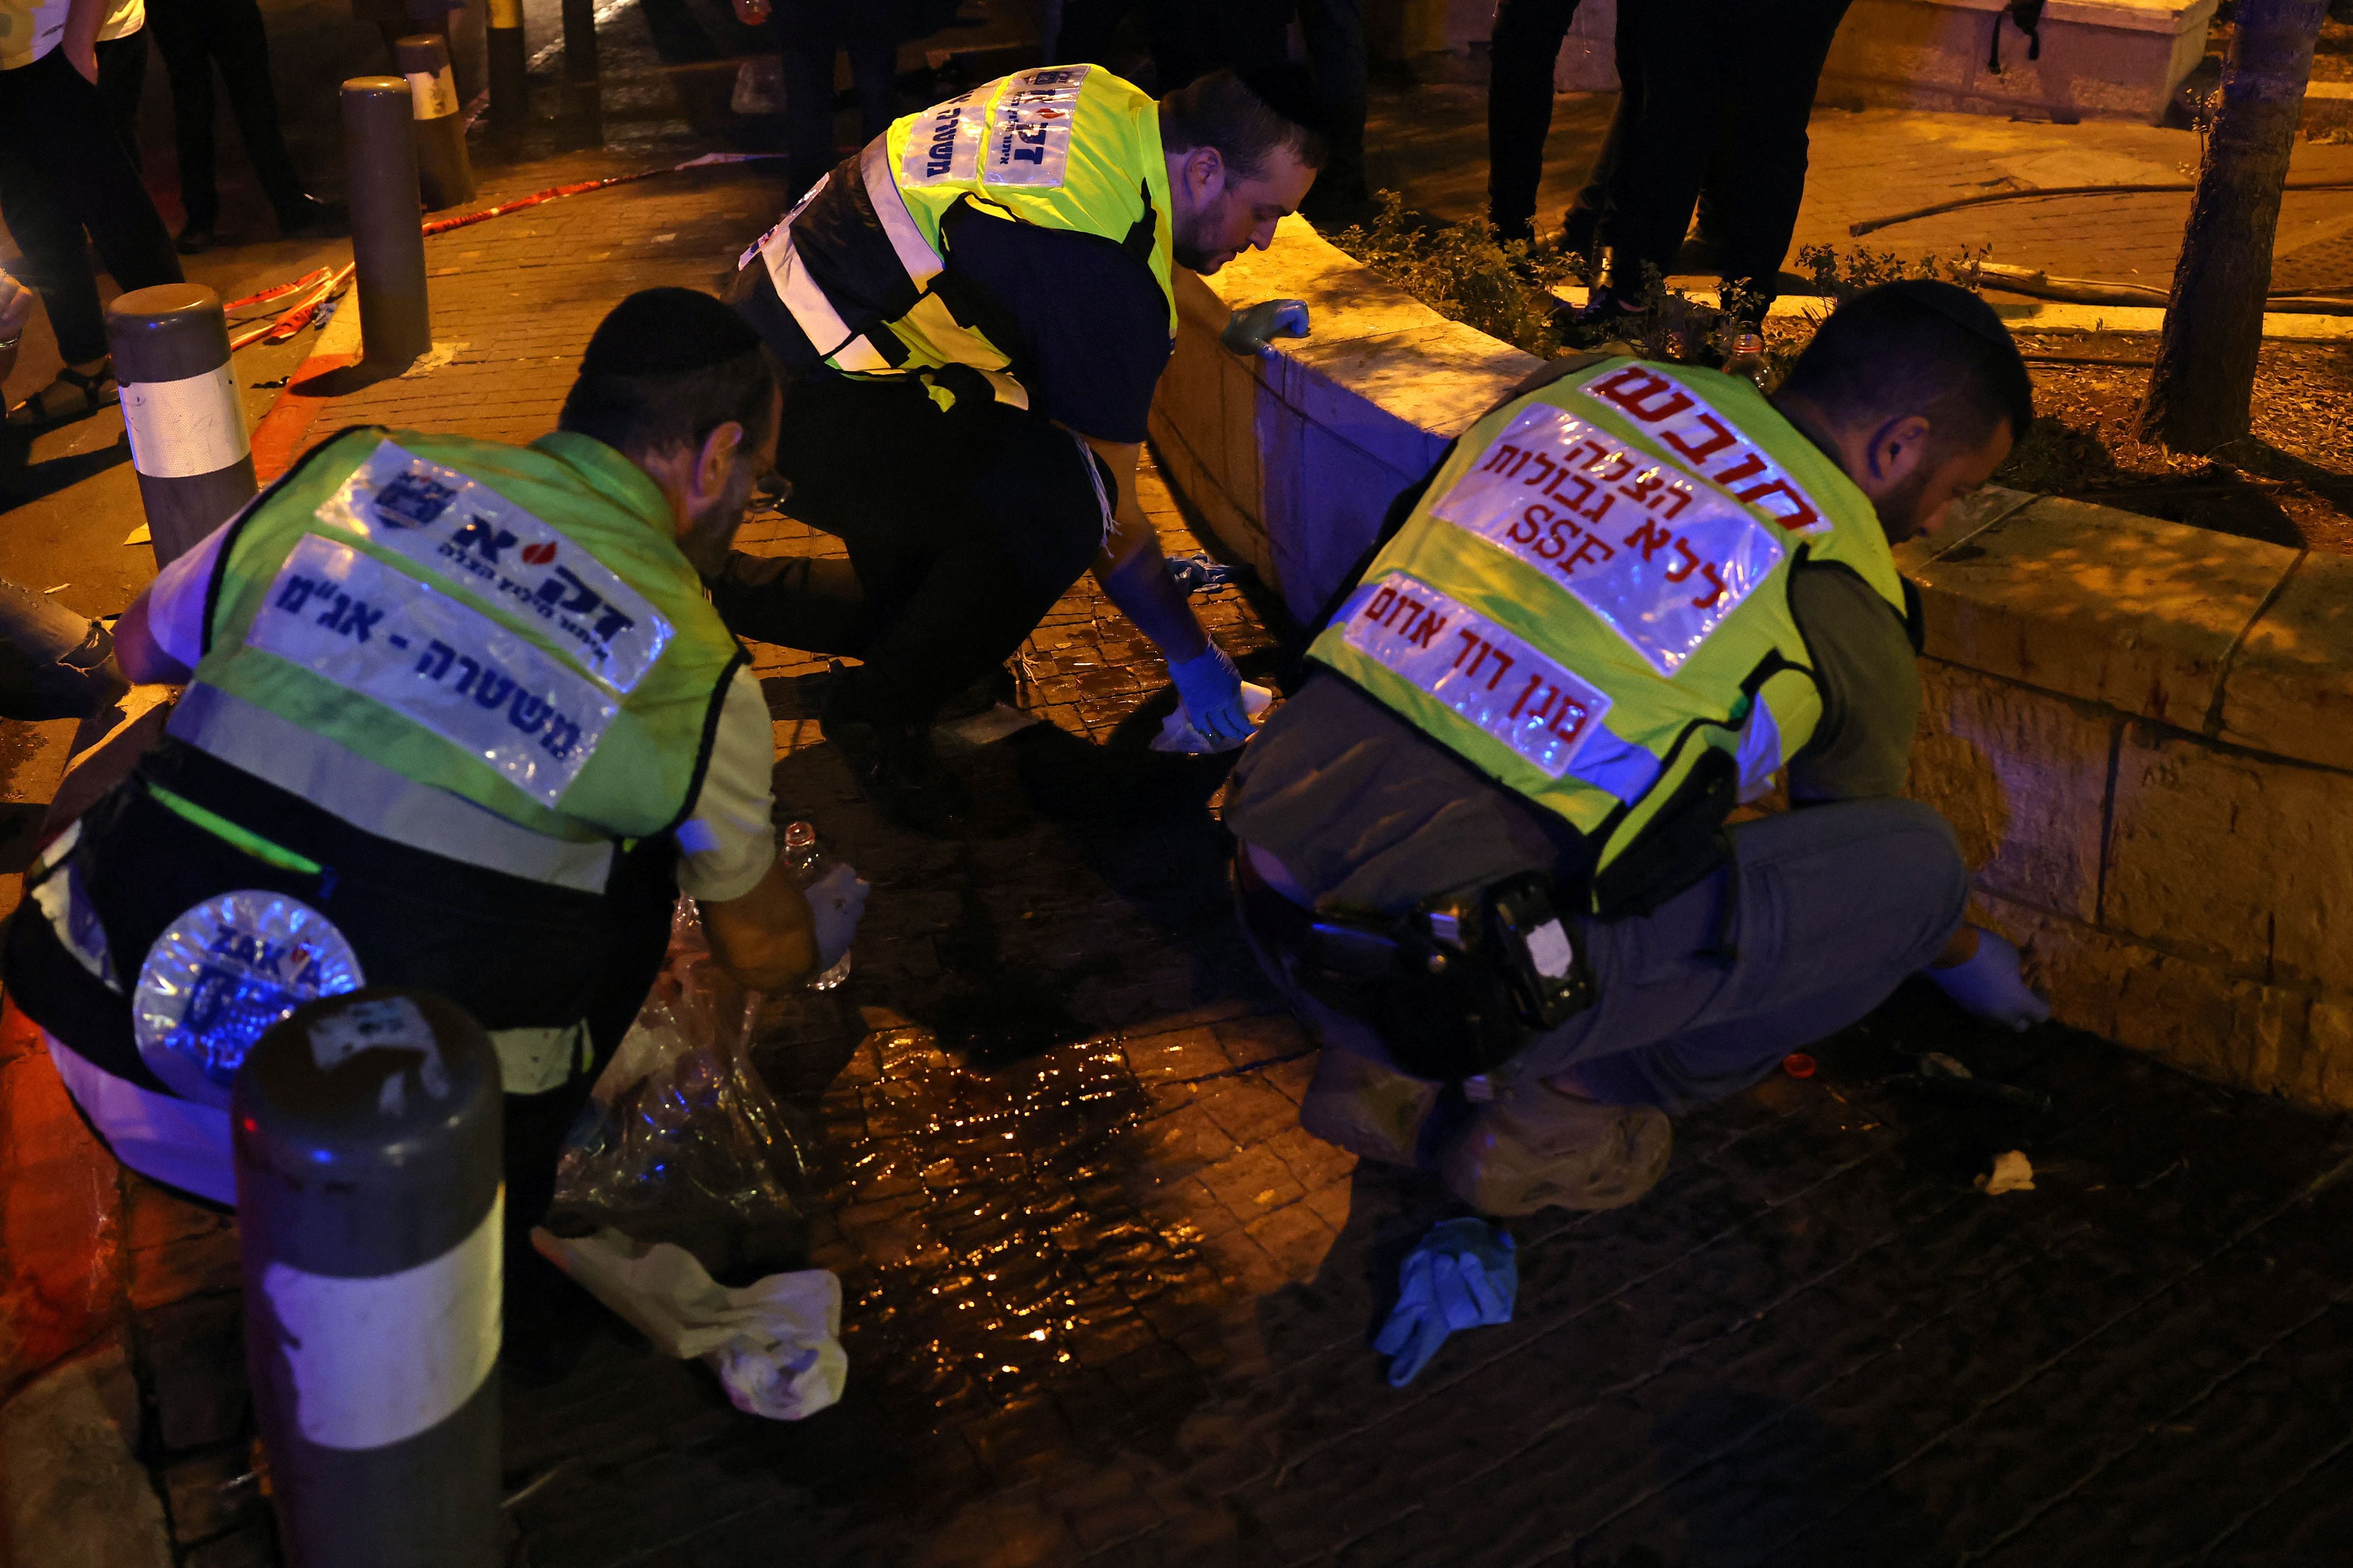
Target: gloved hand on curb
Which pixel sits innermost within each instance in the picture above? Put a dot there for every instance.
(837, 900)
(1212, 689)
(1249, 329)
(1989, 984)
(1464, 1273)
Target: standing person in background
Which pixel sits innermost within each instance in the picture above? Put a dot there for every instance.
(1334, 31)
(810, 33)
(64, 171)
(121, 53)
(192, 34)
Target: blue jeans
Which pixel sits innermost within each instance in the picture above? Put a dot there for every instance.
(1821, 913)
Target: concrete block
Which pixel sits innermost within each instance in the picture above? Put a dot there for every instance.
(2290, 686)
(2022, 776)
(1239, 397)
(72, 1491)
(2232, 856)
(1325, 500)
(2102, 605)
(2100, 59)
(1402, 394)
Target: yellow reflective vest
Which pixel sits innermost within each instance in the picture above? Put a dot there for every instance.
(861, 263)
(1590, 603)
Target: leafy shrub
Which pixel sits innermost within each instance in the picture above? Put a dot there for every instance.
(1461, 271)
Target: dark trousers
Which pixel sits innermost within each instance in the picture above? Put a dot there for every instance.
(963, 526)
(1522, 51)
(122, 77)
(1335, 32)
(1819, 917)
(809, 33)
(63, 170)
(1732, 116)
(194, 36)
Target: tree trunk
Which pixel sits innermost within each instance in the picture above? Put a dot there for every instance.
(2205, 376)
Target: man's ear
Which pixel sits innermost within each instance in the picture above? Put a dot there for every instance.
(1897, 447)
(1205, 173)
(717, 456)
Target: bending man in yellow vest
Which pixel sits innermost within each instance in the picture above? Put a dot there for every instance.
(975, 311)
(458, 716)
(1486, 843)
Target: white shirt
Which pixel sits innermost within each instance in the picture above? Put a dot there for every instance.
(727, 842)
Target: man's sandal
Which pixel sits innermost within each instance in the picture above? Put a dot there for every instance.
(69, 396)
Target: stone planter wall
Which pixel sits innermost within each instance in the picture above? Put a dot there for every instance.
(2142, 732)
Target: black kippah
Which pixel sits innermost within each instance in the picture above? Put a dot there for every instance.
(1285, 87)
(667, 332)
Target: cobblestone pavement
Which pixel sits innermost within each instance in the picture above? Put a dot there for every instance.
(1106, 1303)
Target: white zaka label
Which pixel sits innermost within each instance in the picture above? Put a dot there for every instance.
(945, 143)
(349, 618)
(1030, 143)
(1660, 559)
(1541, 710)
(467, 533)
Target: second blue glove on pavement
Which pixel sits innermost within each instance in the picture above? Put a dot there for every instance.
(1464, 1273)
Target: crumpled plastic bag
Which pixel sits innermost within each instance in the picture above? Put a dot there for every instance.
(682, 1141)
(1197, 571)
(1177, 734)
(776, 1343)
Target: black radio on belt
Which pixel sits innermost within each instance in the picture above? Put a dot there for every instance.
(1459, 985)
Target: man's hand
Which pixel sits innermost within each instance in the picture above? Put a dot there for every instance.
(1988, 983)
(775, 938)
(1212, 689)
(83, 18)
(16, 311)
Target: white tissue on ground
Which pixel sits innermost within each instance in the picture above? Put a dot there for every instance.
(2012, 1172)
(1177, 734)
(776, 1343)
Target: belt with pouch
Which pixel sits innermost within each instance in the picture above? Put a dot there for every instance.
(1454, 988)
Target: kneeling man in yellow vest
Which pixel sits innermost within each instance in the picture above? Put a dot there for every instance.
(1488, 843)
(458, 716)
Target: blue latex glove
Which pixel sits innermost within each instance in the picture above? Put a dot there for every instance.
(1464, 1274)
(1212, 689)
(1247, 329)
(1991, 986)
(1196, 572)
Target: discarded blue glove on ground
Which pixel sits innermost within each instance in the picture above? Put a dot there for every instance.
(1464, 1273)
(1989, 986)
(1196, 572)
(1247, 329)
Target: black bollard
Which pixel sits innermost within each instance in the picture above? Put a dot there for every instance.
(445, 174)
(387, 232)
(510, 66)
(183, 411)
(367, 1129)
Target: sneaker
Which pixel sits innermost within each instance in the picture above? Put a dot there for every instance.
(1373, 1111)
(894, 766)
(1533, 1147)
(195, 240)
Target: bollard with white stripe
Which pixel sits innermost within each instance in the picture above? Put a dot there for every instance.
(183, 411)
(388, 233)
(510, 64)
(367, 1130)
(444, 172)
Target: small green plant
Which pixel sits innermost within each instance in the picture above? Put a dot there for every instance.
(1461, 272)
(1844, 274)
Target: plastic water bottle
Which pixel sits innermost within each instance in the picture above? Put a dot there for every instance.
(1747, 356)
(806, 863)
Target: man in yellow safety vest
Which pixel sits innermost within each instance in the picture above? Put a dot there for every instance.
(973, 314)
(1486, 843)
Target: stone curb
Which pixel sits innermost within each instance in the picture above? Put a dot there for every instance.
(2142, 732)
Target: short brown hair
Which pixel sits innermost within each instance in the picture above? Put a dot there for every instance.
(1246, 121)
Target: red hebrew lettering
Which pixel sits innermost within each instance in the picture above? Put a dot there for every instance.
(1625, 465)
(1548, 470)
(1584, 490)
(1649, 538)
(1644, 488)
(1569, 722)
(1499, 458)
(1649, 398)
(1678, 498)
(1748, 467)
(1427, 632)
(1600, 510)
(1803, 515)
(1709, 602)
(1718, 438)
(1505, 660)
(1471, 643)
(1526, 692)
(1377, 608)
(1691, 562)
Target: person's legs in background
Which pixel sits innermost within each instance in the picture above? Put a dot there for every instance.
(873, 45)
(122, 74)
(64, 171)
(1757, 173)
(1334, 31)
(809, 35)
(183, 29)
(1672, 46)
(241, 44)
(1525, 44)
